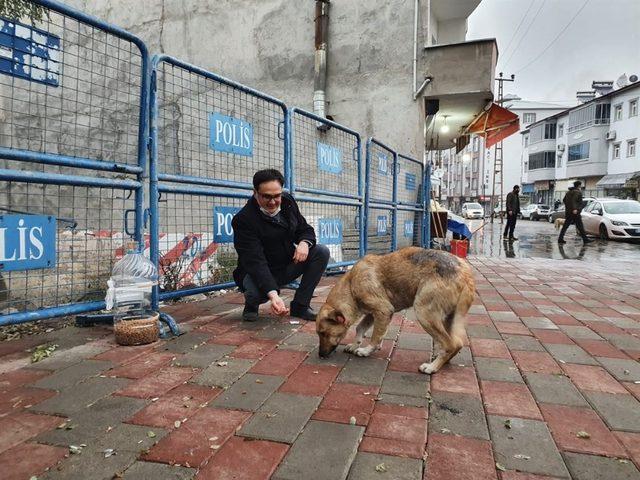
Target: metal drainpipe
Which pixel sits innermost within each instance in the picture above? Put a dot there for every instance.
(320, 70)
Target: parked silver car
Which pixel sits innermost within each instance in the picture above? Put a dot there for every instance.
(472, 210)
(535, 211)
(612, 219)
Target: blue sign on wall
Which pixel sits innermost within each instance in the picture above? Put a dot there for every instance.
(410, 181)
(383, 164)
(222, 230)
(408, 229)
(231, 135)
(29, 53)
(382, 225)
(330, 231)
(27, 242)
(329, 158)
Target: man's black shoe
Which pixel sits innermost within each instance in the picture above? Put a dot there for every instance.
(305, 313)
(250, 313)
(561, 242)
(513, 239)
(588, 240)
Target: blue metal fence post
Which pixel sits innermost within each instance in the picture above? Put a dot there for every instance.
(426, 235)
(367, 195)
(361, 193)
(394, 214)
(154, 197)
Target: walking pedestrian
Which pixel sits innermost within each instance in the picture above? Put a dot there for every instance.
(513, 210)
(573, 205)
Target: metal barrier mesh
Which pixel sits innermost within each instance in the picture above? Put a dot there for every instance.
(410, 177)
(380, 230)
(324, 160)
(381, 173)
(196, 246)
(90, 235)
(336, 226)
(250, 137)
(409, 228)
(69, 89)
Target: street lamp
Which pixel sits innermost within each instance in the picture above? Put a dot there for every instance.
(445, 128)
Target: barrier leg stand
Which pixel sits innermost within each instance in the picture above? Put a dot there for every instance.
(171, 323)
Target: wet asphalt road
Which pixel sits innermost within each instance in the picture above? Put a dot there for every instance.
(539, 239)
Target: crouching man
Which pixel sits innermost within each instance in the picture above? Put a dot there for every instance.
(275, 245)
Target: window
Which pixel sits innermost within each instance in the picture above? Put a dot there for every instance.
(526, 141)
(560, 129)
(529, 118)
(579, 151)
(631, 148)
(616, 150)
(617, 112)
(542, 160)
(550, 131)
(633, 107)
(603, 113)
(526, 166)
(476, 144)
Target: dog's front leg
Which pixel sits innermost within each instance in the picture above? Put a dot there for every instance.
(380, 326)
(361, 329)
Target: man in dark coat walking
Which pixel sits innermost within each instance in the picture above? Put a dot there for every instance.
(275, 245)
(573, 205)
(513, 210)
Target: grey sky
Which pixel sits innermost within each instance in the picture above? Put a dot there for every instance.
(602, 43)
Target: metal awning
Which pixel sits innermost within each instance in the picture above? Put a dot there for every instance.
(617, 179)
(495, 123)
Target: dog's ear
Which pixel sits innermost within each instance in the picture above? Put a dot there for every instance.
(339, 318)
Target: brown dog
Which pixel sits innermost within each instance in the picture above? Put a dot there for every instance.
(439, 286)
(559, 223)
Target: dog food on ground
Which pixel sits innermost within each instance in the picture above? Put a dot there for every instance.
(137, 331)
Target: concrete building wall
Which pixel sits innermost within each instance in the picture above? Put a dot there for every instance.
(269, 45)
(626, 129)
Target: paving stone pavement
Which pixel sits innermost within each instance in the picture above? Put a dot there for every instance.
(546, 387)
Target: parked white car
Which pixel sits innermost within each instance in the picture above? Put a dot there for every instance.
(612, 219)
(535, 211)
(472, 210)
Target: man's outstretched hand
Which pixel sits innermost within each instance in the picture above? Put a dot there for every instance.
(277, 305)
(301, 253)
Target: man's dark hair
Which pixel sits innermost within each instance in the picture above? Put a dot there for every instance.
(577, 183)
(516, 186)
(268, 175)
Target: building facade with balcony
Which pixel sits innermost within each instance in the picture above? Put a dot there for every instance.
(594, 142)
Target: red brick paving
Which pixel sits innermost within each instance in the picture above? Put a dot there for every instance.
(631, 442)
(142, 366)
(455, 380)
(385, 446)
(20, 377)
(509, 399)
(459, 458)
(313, 380)
(21, 398)
(486, 347)
(279, 362)
(254, 349)
(158, 384)
(192, 443)
(537, 362)
(565, 423)
(233, 460)
(389, 429)
(22, 426)
(29, 460)
(588, 377)
(181, 402)
(407, 360)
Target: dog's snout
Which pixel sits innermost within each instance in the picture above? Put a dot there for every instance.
(325, 352)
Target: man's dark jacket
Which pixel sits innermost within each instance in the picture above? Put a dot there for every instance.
(573, 200)
(265, 246)
(513, 203)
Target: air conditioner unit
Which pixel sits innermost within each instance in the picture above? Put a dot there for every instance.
(611, 135)
(561, 147)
